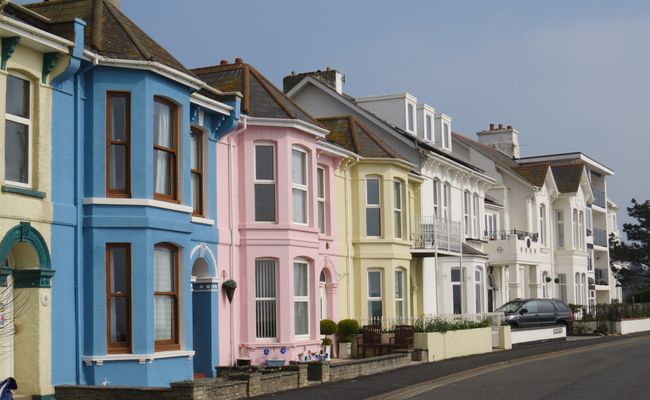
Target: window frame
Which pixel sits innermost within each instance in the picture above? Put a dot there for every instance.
(475, 216)
(381, 292)
(398, 188)
(458, 283)
(174, 198)
(111, 142)
(446, 201)
(266, 299)
(273, 181)
(301, 299)
(428, 127)
(22, 121)
(400, 302)
(410, 117)
(559, 220)
(321, 198)
(301, 187)
(199, 135)
(542, 224)
(478, 290)
(445, 135)
(437, 187)
(467, 208)
(116, 347)
(174, 343)
(373, 205)
(575, 228)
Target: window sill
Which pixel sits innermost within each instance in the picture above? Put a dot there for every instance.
(23, 191)
(202, 220)
(140, 358)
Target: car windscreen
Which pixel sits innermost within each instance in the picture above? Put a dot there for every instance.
(510, 307)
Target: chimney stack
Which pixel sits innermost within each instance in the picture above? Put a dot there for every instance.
(330, 77)
(500, 126)
(506, 140)
(239, 60)
(223, 62)
(491, 127)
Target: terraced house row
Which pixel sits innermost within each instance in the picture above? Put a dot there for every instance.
(138, 193)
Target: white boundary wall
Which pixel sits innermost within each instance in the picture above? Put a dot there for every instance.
(519, 336)
(633, 325)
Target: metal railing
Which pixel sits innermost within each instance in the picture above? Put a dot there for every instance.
(388, 324)
(599, 197)
(505, 235)
(600, 237)
(430, 232)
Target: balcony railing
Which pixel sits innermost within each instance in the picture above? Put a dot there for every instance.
(602, 277)
(600, 237)
(505, 235)
(599, 197)
(430, 232)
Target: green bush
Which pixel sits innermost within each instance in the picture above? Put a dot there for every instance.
(327, 342)
(347, 328)
(328, 327)
(601, 329)
(423, 325)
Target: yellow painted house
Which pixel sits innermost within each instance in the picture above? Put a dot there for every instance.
(30, 57)
(377, 193)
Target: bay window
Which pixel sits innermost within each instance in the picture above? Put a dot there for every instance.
(397, 208)
(475, 219)
(118, 297)
(542, 224)
(373, 207)
(400, 290)
(436, 198)
(166, 297)
(457, 291)
(375, 300)
(466, 213)
(322, 200)
(196, 171)
(560, 229)
(301, 297)
(265, 299)
(118, 138)
(165, 149)
(299, 185)
(478, 290)
(265, 183)
(18, 131)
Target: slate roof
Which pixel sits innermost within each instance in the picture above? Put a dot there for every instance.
(349, 133)
(261, 98)
(567, 177)
(108, 31)
(535, 174)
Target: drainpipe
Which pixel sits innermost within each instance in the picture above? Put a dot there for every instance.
(231, 221)
(347, 202)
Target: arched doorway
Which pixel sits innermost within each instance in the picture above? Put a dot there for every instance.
(204, 319)
(322, 290)
(25, 312)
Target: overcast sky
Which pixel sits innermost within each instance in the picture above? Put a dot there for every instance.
(570, 76)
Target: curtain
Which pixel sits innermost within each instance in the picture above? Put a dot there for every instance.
(163, 136)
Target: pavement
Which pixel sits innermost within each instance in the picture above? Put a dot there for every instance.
(421, 378)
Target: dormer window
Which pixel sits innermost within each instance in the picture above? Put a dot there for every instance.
(445, 136)
(410, 117)
(429, 128)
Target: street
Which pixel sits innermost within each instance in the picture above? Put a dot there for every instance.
(616, 372)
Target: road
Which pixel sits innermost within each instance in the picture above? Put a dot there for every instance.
(619, 371)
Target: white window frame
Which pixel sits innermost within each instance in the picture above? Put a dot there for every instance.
(467, 207)
(300, 187)
(437, 187)
(400, 302)
(478, 290)
(581, 229)
(381, 291)
(475, 216)
(321, 195)
(446, 201)
(559, 215)
(542, 224)
(372, 205)
(562, 287)
(428, 127)
(23, 121)
(267, 299)
(301, 299)
(458, 283)
(445, 136)
(398, 188)
(575, 228)
(410, 117)
(265, 181)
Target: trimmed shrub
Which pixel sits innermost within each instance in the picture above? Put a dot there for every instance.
(328, 327)
(347, 328)
(327, 342)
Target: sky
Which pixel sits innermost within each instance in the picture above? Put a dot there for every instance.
(570, 76)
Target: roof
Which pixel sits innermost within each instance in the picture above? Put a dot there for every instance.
(260, 97)
(108, 31)
(486, 150)
(492, 201)
(348, 132)
(567, 177)
(535, 174)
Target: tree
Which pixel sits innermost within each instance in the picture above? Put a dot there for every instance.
(635, 251)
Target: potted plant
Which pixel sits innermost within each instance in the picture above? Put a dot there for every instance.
(557, 280)
(548, 279)
(328, 327)
(229, 287)
(346, 328)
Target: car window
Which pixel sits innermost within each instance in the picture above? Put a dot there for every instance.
(546, 307)
(531, 306)
(510, 307)
(561, 306)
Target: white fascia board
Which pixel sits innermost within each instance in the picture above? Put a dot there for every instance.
(154, 66)
(114, 201)
(210, 104)
(288, 123)
(336, 150)
(34, 37)
(391, 96)
(141, 358)
(385, 160)
(443, 116)
(426, 107)
(454, 164)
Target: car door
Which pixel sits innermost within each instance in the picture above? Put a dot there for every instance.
(529, 315)
(546, 312)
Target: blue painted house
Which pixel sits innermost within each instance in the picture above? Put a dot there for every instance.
(133, 175)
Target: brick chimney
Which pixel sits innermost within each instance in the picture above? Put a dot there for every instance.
(506, 140)
(330, 77)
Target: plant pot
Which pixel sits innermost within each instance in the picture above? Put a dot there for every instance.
(327, 350)
(345, 350)
(275, 362)
(230, 292)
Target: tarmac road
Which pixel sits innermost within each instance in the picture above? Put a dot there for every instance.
(619, 371)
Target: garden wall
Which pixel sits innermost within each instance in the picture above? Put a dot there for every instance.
(628, 326)
(451, 344)
(525, 336)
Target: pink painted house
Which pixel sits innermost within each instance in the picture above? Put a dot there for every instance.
(275, 222)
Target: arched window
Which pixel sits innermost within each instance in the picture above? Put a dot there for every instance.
(301, 297)
(577, 297)
(446, 201)
(166, 297)
(475, 216)
(165, 130)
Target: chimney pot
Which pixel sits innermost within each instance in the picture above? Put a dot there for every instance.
(223, 62)
(491, 127)
(239, 60)
(500, 126)
(510, 127)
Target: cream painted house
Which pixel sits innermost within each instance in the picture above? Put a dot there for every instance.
(31, 57)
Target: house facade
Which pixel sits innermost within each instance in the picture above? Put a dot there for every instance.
(276, 222)
(134, 188)
(31, 58)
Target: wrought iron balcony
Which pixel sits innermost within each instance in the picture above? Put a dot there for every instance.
(430, 232)
(599, 197)
(600, 237)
